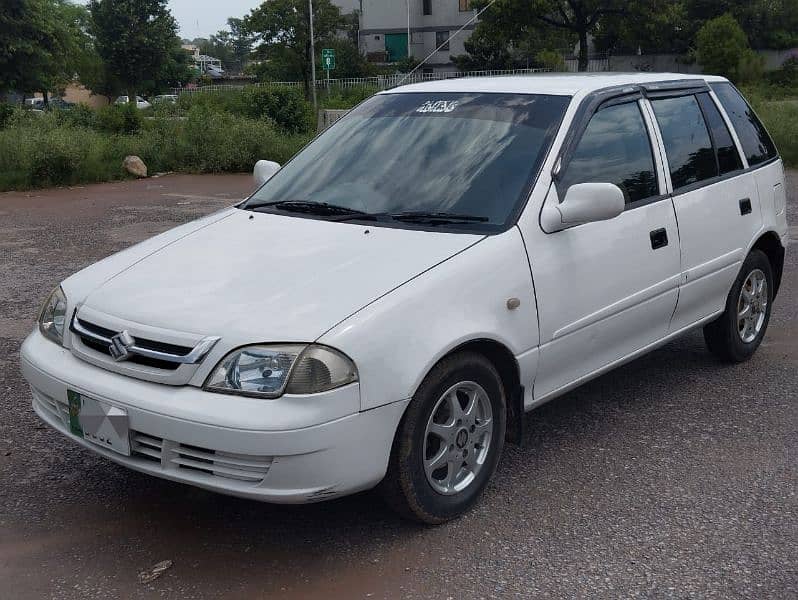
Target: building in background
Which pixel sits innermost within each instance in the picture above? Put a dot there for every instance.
(204, 64)
(383, 35)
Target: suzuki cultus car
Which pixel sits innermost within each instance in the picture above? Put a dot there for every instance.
(386, 306)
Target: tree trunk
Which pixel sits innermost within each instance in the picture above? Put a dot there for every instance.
(583, 56)
(46, 98)
(131, 97)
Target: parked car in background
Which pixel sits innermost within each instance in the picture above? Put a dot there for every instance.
(166, 98)
(38, 104)
(141, 103)
(386, 306)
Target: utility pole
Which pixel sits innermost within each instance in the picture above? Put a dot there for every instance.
(409, 53)
(312, 60)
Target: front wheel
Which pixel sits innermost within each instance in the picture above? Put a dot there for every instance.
(737, 333)
(449, 441)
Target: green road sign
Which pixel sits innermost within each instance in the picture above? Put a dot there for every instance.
(328, 59)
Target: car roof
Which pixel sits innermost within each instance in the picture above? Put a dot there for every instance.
(560, 84)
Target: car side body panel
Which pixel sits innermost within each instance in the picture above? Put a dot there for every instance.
(463, 299)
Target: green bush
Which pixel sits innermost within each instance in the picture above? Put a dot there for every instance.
(6, 110)
(52, 165)
(79, 115)
(347, 98)
(39, 150)
(119, 119)
(286, 106)
(550, 59)
(720, 46)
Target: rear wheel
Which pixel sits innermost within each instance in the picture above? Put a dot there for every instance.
(737, 333)
(449, 442)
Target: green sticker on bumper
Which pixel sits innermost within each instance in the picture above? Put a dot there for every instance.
(75, 405)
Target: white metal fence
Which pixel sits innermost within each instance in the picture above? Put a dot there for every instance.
(594, 65)
(383, 82)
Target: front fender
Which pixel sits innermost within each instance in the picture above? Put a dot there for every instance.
(397, 339)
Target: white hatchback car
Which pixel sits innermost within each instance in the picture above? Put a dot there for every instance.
(387, 306)
(141, 103)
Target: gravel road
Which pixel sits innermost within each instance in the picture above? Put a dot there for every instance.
(674, 476)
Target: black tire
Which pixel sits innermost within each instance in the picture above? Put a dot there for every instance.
(722, 336)
(406, 488)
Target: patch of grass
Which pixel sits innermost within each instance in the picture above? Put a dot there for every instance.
(777, 106)
(781, 119)
(39, 150)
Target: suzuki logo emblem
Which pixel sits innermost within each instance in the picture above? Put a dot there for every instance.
(120, 346)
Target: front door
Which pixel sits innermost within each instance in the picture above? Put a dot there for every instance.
(606, 289)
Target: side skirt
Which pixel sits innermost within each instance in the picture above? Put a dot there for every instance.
(617, 363)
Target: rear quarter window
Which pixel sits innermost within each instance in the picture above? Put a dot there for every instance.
(757, 144)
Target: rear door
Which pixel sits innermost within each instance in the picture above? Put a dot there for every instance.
(714, 195)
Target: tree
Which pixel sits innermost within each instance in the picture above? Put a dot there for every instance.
(41, 44)
(134, 39)
(502, 42)
(649, 26)
(281, 30)
(520, 20)
(721, 47)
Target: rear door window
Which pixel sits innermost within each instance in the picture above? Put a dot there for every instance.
(728, 158)
(615, 148)
(757, 144)
(691, 156)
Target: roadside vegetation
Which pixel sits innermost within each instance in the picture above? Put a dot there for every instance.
(47, 44)
(83, 145)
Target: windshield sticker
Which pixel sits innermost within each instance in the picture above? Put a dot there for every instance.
(439, 106)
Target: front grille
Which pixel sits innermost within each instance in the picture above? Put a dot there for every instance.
(135, 359)
(148, 344)
(214, 463)
(147, 361)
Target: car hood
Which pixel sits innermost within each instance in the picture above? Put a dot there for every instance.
(252, 277)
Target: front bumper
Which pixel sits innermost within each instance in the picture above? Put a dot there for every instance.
(295, 449)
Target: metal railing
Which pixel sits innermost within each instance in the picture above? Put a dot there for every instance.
(382, 82)
(594, 65)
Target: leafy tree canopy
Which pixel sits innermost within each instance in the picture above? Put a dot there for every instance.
(280, 28)
(136, 39)
(42, 44)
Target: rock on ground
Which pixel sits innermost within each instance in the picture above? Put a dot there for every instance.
(135, 166)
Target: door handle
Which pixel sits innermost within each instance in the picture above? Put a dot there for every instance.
(659, 239)
(745, 206)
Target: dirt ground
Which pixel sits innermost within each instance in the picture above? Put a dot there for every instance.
(674, 476)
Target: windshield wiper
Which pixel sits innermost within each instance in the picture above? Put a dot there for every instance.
(306, 206)
(437, 218)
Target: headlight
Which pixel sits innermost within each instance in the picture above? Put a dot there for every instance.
(270, 371)
(53, 316)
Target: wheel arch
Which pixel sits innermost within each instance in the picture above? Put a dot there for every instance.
(502, 358)
(770, 244)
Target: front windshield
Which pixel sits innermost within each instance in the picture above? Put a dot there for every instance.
(467, 154)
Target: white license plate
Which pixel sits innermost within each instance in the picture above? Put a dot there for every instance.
(99, 422)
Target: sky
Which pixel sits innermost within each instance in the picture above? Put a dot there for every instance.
(201, 18)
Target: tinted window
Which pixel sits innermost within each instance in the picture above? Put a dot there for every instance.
(691, 156)
(615, 148)
(464, 153)
(756, 142)
(728, 157)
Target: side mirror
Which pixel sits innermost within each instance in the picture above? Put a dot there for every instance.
(265, 170)
(589, 202)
